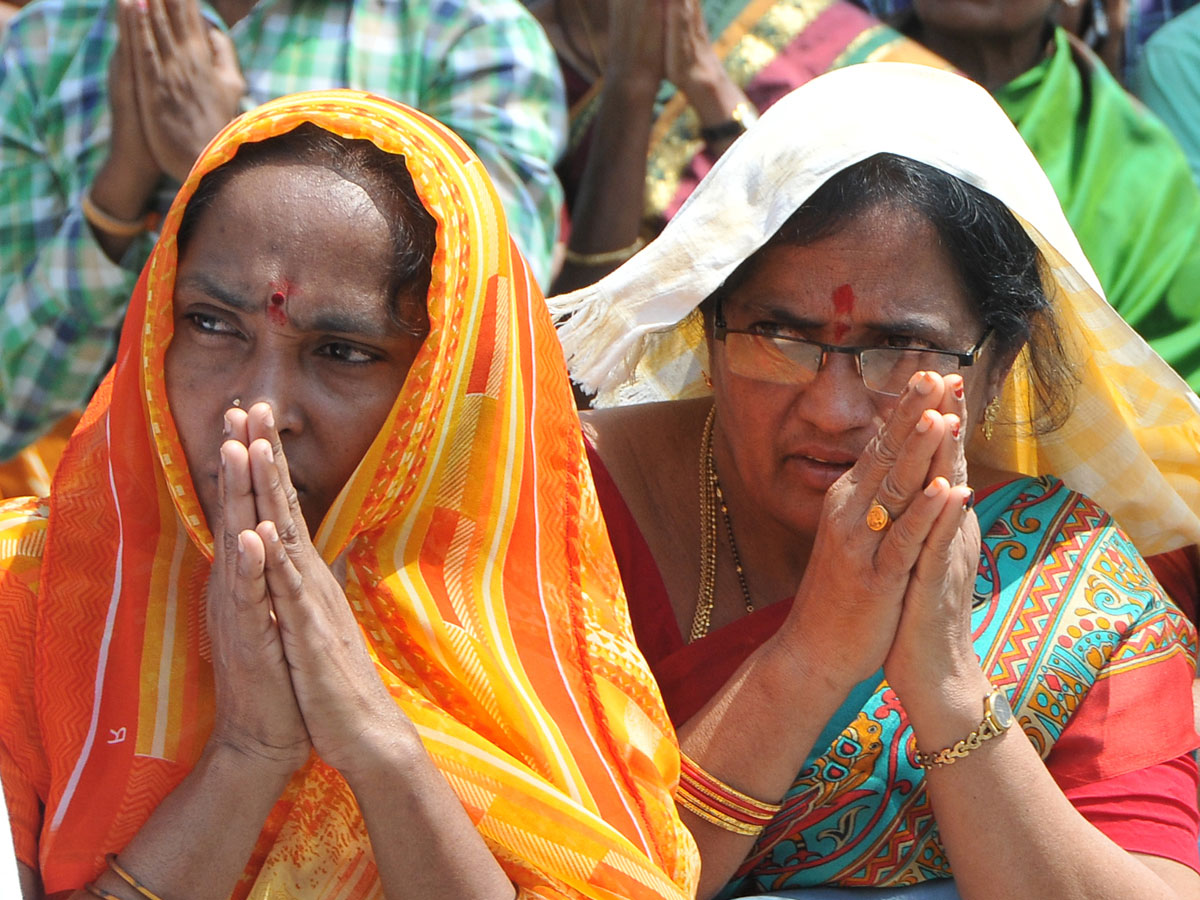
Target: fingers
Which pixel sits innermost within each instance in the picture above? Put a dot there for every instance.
(283, 578)
(185, 18)
(954, 523)
(951, 460)
(144, 48)
(907, 536)
(237, 501)
(924, 392)
(249, 583)
(161, 27)
(275, 495)
(909, 474)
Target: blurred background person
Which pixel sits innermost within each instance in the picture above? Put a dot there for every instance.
(105, 105)
(1167, 79)
(658, 89)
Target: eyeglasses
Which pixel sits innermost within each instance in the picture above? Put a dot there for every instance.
(789, 360)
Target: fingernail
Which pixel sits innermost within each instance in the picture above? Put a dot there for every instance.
(934, 487)
(241, 543)
(269, 418)
(958, 390)
(227, 427)
(270, 453)
(969, 500)
(924, 423)
(924, 383)
(222, 456)
(955, 426)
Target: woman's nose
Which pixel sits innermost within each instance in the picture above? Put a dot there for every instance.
(836, 400)
(270, 382)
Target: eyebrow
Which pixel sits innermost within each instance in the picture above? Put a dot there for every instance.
(913, 323)
(326, 320)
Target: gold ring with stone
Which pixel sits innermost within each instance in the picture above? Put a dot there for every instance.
(878, 518)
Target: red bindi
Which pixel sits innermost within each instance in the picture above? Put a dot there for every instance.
(277, 308)
(843, 306)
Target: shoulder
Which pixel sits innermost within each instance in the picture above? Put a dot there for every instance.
(647, 435)
(1056, 547)
(650, 451)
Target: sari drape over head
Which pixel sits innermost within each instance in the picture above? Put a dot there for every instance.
(478, 568)
(1132, 442)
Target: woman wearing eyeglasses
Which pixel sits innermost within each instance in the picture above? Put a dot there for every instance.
(879, 340)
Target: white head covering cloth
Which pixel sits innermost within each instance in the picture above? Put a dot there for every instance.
(1133, 439)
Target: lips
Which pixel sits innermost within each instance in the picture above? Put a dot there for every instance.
(818, 469)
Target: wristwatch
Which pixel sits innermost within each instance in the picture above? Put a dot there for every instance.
(997, 719)
(740, 119)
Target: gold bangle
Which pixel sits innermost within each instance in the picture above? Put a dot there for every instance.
(99, 892)
(608, 256)
(111, 224)
(117, 870)
(708, 814)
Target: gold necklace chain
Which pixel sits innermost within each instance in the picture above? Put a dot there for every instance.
(711, 499)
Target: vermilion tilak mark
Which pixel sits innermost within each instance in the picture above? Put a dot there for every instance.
(843, 306)
(277, 308)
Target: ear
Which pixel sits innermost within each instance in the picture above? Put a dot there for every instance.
(997, 371)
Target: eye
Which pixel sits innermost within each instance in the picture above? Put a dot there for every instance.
(207, 323)
(907, 342)
(344, 352)
(774, 329)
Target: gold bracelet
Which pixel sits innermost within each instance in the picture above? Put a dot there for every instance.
(608, 256)
(111, 224)
(99, 892)
(708, 814)
(117, 870)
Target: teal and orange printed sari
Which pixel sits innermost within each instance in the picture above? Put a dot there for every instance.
(1068, 620)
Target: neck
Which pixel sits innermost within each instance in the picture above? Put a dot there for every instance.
(774, 555)
(232, 11)
(991, 60)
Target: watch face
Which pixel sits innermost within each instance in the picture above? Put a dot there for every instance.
(1001, 710)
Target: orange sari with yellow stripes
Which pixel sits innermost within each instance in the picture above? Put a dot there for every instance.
(479, 569)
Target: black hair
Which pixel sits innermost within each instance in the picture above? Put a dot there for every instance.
(999, 266)
(386, 180)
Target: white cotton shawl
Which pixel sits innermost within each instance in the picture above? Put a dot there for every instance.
(1132, 442)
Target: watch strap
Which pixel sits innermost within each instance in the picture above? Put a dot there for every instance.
(987, 730)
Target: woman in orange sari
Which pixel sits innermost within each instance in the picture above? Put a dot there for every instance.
(300, 616)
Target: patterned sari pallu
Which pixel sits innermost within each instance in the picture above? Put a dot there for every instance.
(478, 568)
(1064, 609)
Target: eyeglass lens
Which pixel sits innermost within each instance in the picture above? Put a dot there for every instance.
(884, 370)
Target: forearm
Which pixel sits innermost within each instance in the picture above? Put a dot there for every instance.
(1000, 811)
(425, 844)
(772, 701)
(125, 191)
(606, 214)
(198, 840)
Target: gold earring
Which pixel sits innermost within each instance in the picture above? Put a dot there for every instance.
(990, 412)
(237, 401)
